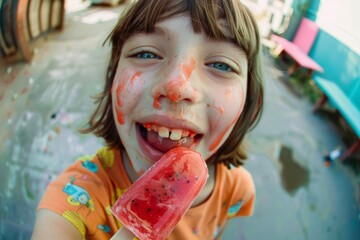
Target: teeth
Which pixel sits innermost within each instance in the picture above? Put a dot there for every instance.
(147, 126)
(175, 134)
(164, 132)
(155, 128)
(185, 133)
(192, 134)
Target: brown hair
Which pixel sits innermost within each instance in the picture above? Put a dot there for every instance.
(142, 15)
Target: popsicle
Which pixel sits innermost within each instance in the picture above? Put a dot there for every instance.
(156, 202)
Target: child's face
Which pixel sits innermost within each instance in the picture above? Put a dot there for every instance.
(177, 88)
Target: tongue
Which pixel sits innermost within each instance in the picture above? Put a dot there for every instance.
(165, 144)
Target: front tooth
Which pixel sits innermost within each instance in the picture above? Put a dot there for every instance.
(185, 133)
(155, 128)
(175, 134)
(147, 126)
(164, 132)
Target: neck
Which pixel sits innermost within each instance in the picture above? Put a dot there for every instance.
(128, 168)
(208, 188)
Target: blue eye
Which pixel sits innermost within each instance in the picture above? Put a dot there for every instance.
(146, 55)
(221, 66)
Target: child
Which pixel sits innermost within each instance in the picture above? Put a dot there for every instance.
(182, 73)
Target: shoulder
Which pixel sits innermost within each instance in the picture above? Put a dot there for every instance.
(85, 181)
(83, 176)
(238, 188)
(84, 192)
(236, 177)
(97, 166)
(102, 160)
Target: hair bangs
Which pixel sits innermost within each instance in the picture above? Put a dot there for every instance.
(220, 20)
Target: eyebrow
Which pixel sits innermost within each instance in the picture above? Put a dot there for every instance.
(233, 44)
(161, 31)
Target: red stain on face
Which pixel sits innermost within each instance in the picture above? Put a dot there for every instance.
(221, 110)
(119, 113)
(119, 89)
(135, 77)
(156, 102)
(229, 93)
(120, 117)
(217, 141)
(187, 69)
(230, 99)
(174, 88)
(128, 84)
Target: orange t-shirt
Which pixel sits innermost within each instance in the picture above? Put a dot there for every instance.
(85, 192)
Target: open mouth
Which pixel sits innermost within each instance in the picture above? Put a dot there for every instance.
(162, 139)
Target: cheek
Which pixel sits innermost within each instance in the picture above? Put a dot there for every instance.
(224, 113)
(126, 91)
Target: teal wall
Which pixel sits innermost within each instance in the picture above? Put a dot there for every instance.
(340, 63)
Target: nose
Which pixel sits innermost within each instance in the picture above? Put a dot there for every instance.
(178, 84)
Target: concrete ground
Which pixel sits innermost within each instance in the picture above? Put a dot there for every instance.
(44, 102)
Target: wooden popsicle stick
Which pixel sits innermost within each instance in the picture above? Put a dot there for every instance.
(123, 234)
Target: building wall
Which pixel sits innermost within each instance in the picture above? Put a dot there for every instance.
(337, 45)
(341, 19)
(339, 61)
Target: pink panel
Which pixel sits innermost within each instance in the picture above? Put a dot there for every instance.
(306, 34)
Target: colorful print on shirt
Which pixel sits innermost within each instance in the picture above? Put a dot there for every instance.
(78, 196)
(234, 209)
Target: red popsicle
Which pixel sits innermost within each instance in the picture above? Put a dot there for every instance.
(156, 202)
